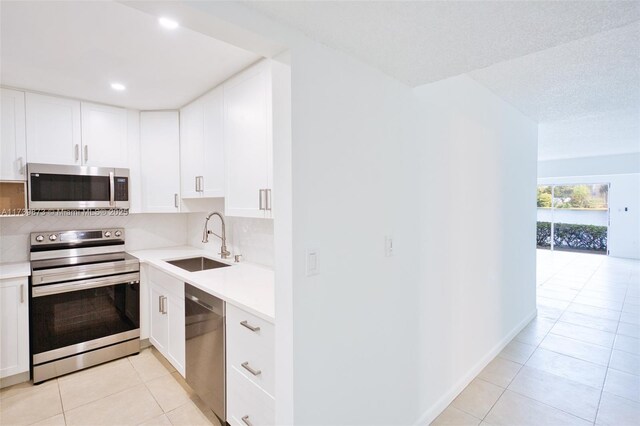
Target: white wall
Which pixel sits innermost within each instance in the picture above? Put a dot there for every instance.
(355, 332)
(591, 166)
(477, 238)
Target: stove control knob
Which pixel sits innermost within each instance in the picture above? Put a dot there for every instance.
(118, 233)
(107, 234)
(39, 238)
(53, 237)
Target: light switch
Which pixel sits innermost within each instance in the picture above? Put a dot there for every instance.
(388, 246)
(312, 262)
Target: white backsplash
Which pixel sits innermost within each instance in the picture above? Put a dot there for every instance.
(142, 231)
(252, 238)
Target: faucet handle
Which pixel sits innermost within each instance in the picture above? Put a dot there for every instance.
(236, 258)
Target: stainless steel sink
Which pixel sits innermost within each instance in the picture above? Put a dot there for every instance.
(194, 264)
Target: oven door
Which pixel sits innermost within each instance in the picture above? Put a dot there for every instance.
(73, 317)
(77, 187)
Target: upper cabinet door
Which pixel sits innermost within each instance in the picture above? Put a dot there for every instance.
(13, 142)
(160, 161)
(53, 130)
(247, 142)
(213, 166)
(104, 136)
(192, 148)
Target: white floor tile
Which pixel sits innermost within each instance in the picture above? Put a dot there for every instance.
(617, 411)
(568, 367)
(564, 394)
(515, 409)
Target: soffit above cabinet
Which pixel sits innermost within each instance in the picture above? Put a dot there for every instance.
(77, 49)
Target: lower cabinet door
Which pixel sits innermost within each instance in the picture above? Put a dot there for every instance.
(247, 403)
(14, 327)
(158, 331)
(176, 334)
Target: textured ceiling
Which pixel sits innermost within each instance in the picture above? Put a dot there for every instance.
(572, 66)
(591, 75)
(78, 48)
(421, 42)
(585, 94)
(606, 133)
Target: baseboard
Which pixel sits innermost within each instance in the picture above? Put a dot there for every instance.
(428, 416)
(15, 379)
(144, 343)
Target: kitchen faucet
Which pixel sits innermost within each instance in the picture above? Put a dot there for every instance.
(224, 253)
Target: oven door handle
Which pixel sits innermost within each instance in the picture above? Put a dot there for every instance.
(47, 290)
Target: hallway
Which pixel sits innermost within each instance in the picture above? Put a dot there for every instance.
(577, 363)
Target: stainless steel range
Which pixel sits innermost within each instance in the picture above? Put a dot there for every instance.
(84, 301)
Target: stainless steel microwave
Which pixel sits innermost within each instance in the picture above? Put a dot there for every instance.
(52, 187)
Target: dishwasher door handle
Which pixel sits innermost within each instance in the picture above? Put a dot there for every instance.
(246, 366)
(194, 299)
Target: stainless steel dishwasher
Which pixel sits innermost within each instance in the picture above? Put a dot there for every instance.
(205, 348)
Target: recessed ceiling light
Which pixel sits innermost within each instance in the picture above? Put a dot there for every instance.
(118, 86)
(169, 24)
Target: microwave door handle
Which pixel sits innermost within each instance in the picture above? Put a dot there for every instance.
(112, 189)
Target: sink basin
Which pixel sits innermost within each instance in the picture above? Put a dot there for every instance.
(194, 264)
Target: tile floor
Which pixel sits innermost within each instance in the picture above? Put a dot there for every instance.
(143, 389)
(577, 363)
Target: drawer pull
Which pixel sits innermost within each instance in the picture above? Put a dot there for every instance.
(251, 370)
(249, 326)
(246, 421)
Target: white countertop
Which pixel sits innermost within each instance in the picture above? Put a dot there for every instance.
(248, 286)
(15, 270)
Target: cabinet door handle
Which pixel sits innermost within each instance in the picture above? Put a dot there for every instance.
(260, 198)
(160, 304)
(249, 326)
(21, 293)
(246, 366)
(246, 421)
(175, 200)
(77, 152)
(20, 166)
(164, 305)
(86, 153)
(268, 197)
(201, 183)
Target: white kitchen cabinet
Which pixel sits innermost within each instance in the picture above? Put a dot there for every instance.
(250, 368)
(167, 326)
(53, 130)
(104, 136)
(14, 326)
(13, 142)
(160, 161)
(248, 142)
(202, 147)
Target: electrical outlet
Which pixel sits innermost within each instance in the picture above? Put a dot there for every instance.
(388, 246)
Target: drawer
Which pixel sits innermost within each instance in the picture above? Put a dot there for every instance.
(169, 283)
(248, 401)
(254, 347)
